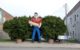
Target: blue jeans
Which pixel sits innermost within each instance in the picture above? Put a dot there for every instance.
(36, 29)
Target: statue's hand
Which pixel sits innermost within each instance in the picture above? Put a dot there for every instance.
(39, 25)
(34, 24)
(30, 23)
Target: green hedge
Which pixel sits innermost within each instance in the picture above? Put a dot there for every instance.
(18, 27)
(52, 27)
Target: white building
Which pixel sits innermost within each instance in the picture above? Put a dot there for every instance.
(72, 21)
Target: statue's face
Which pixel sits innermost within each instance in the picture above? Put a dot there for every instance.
(35, 15)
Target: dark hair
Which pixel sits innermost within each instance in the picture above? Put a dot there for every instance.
(35, 13)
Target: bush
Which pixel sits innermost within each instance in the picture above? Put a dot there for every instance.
(52, 27)
(18, 28)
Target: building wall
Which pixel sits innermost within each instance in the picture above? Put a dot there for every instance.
(3, 17)
(73, 24)
(6, 15)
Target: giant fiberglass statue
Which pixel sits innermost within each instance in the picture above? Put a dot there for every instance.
(36, 22)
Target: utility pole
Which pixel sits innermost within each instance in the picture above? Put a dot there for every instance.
(65, 6)
(66, 11)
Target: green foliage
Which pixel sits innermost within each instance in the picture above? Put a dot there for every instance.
(18, 28)
(53, 26)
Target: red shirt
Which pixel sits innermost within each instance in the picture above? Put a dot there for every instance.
(36, 20)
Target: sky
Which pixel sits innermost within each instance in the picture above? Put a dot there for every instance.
(43, 7)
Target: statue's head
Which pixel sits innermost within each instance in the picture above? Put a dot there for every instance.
(35, 14)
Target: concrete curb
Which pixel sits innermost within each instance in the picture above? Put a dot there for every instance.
(39, 45)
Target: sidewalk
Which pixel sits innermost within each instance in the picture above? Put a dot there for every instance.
(40, 45)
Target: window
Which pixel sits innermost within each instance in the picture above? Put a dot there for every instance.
(0, 16)
(75, 17)
(70, 33)
(73, 25)
(73, 34)
(4, 19)
(71, 20)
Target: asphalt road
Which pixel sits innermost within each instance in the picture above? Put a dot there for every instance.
(12, 48)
